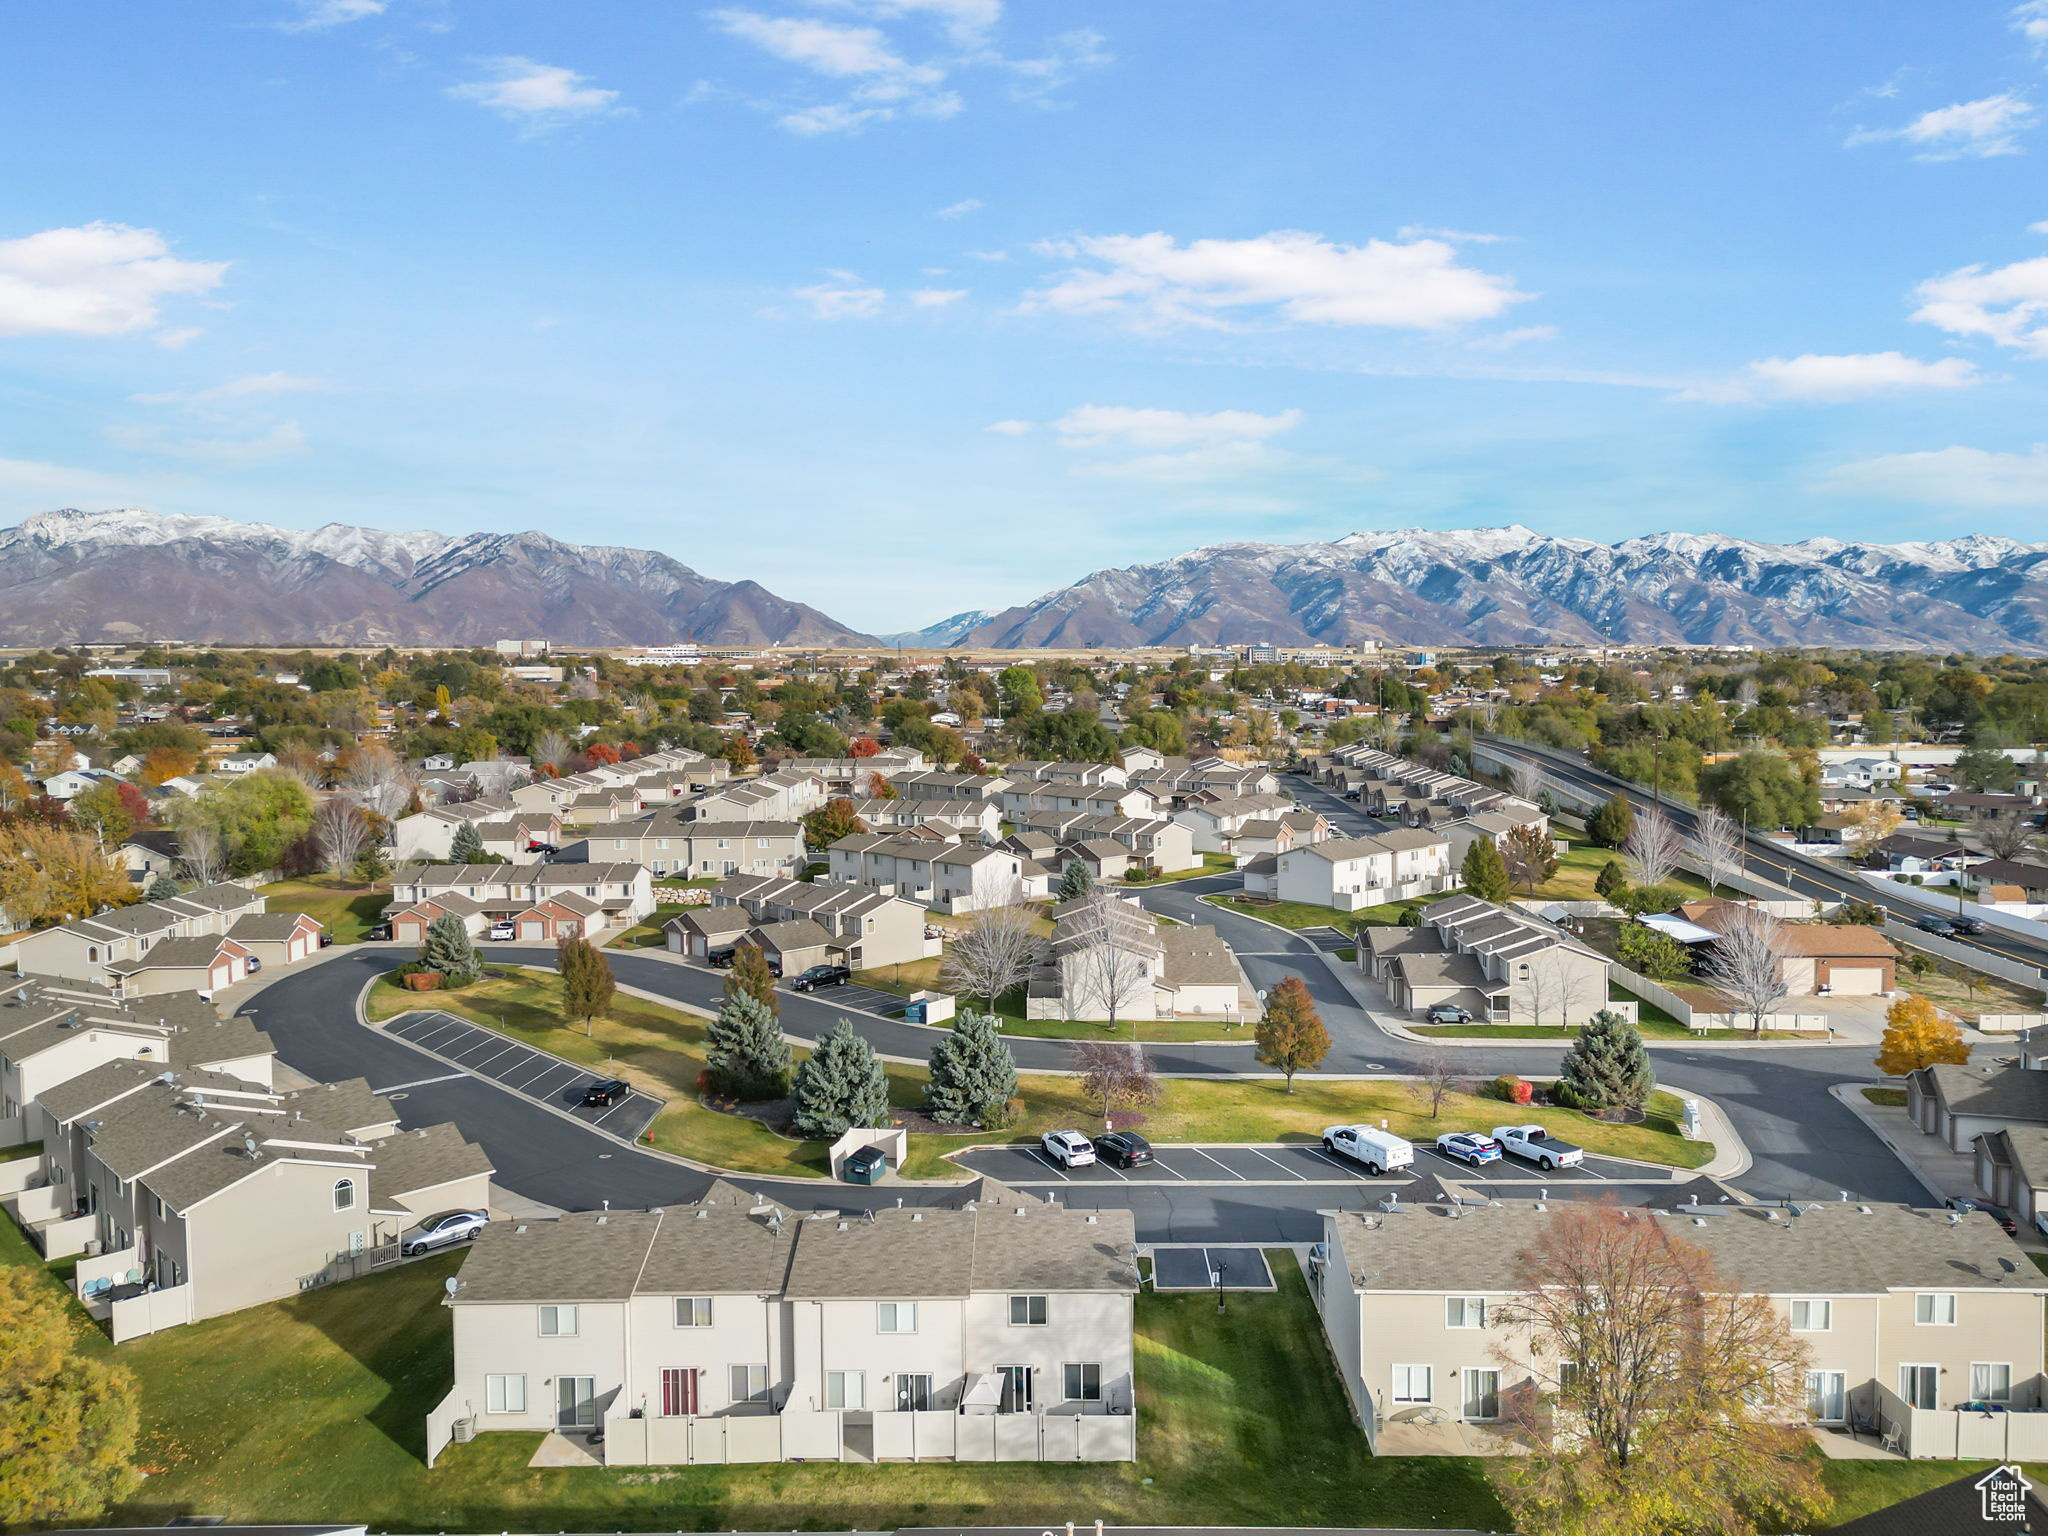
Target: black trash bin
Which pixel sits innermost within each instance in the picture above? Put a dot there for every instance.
(865, 1166)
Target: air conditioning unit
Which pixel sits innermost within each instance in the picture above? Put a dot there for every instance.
(92, 1247)
(463, 1431)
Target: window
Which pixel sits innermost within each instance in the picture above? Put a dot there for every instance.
(504, 1394)
(846, 1389)
(913, 1391)
(760, 842)
(1081, 1382)
(678, 1393)
(693, 1311)
(1812, 1316)
(1027, 1311)
(344, 1194)
(1936, 1307)
(1411, 1384)
(1990, 1383)
(1481, 1399)
(1919, 1384)
(748, 1383)
(1826, 1396)
(1016, 1388)
(1567, 1377)
(557, 1322)
(1464, 1311)
(896, 1317)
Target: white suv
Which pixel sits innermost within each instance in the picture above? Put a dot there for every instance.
(1069, 1149)
(504, 931)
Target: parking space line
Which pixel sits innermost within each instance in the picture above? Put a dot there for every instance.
(503, 1048)
(547, 1071)
(421, 1082)
(1161, 1163)
(429, 1030)
(1280, 1165)
(1223, 1165)
(1055, 1167)
(1338, 1163)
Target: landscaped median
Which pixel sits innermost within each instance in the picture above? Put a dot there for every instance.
(661, 1049)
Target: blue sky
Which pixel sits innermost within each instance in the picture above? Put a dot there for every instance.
(903, 307)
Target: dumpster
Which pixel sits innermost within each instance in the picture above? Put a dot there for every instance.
(865, 1166)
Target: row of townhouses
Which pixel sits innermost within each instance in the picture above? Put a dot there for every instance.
(1110, 959)
(1501, 964)
(202, 941)
(544, 902)
(1352, 873)
(800, 923)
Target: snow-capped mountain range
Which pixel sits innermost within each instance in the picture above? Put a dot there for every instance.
(130, 574)
(1489, 586)
(940, 635)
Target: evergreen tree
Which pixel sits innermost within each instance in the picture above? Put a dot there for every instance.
(841, 1086)
(447, 949)
(1076, 880)
(1611, 881)
(1611, 824)
(1484, 872)
(745, 1051)
(587, 983)
(1607, 1067)
(750, 976)
(973, 1074)
(161, 887)
(467, 846)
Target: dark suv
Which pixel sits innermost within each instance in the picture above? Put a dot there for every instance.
(1123, 1149)
(821, 976)
(608, 1092)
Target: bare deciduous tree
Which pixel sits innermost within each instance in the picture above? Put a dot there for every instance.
(1654, 847)
(1437, 1080)
(378, 780)
(1525, 779)
(341, 831)
(1560, 992)
(200, 852)
(1682, 1405)
(1716, 844)
(1115, 1075)
(1746, 965)
(553, 750)
(497, 778)
(1106, 948)
(2008, 836)
(998, 950)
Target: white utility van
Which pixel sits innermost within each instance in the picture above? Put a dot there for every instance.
(1379, 1150)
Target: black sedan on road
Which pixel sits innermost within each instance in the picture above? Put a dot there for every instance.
(821, 976)
(1123, 1149)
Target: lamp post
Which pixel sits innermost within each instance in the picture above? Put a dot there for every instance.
(1222, 1268)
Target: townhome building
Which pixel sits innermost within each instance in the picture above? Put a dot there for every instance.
(1027, 796)
(1175, 782)
(1925, 1325)
(1215, 820)
(779, 796)
(543, 902)
(930, 783)
(1045, 772)
(988, 1327)
(202, 940)
(505, 828)
(1398, 789)
(1352, 873)
(671, 845)
(1276, 835)
(192, 1194)
(1109, 959)
(865, 928)
(53, 1030)
(852, 775)
(1498, 963)
(970, 819)
(1156, 842)
(951, 877)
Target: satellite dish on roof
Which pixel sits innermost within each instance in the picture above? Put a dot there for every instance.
(451, 1285)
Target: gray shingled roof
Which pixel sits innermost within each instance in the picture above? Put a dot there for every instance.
(413, 1161)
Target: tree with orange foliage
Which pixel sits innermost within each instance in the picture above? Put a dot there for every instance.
(1917, 1034)
(863, 746)
(162, 764)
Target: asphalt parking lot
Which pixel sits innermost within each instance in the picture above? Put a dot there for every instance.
(856, 998)
(530, 1073)
(1202, 1269)
(1282, 1163)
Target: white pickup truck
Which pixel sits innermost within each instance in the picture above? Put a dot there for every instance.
(1538, 1146)
(1379, 1150)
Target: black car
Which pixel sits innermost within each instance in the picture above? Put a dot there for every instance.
(1967, 924)
(719, 959)
(1123, 1149)
(608, 1092)
(821, 976)
(326, 939)
(1996, 1213)
(1941, 927)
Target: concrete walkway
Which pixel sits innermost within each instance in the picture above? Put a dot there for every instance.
(1941, 1172)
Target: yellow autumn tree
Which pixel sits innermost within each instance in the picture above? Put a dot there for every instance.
(1865, 826)
(1916, 1035)
(51, 874)
(68, 1421)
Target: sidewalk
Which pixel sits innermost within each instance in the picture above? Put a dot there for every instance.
(1941, 1173)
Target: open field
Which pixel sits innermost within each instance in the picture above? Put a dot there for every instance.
(344, 908)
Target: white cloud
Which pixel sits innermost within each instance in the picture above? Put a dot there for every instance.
(93, 280)
(30, 485)
(1849, 376)
(989, 255)
(281, 441)
(1949, 477)
(237, 389)
(2038, 229)
(837, 302)
(2009, 305)
(1012, 428)
(959, 210)
(318, 15)
(936, 298)
(1455, 236)
(821, 46)
(536, 96)
(966, 20)
(1502, 341)
(1092, 426)
(1066, 56)
(1154, 280)
(172, 341)
(1969, 130)
(2031, 22)
(1217, 461)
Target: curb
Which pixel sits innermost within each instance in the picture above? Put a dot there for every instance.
(1850, 1096)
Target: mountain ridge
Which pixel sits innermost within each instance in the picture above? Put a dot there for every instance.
(130, 574)
(1513, 585)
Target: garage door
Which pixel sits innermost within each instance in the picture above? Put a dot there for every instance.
(222, 974)
(1856, 980)
(533, 930)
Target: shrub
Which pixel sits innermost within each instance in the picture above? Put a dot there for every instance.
(1000, 1117)
(1512, 1089)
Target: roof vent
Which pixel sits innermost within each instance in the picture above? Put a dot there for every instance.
(1089, 1218)
(1699, 1221)
(1955, 1218)
(702, 1213)
(917, 1215)
(1020, 1210)
(842, 1226)
(1862, 1210)
(603, 1220)
(520, 1230)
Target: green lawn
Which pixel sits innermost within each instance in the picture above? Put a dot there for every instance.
(22, 1153)
(1581, 866)
(1212, 864)
(647, 933)
(1887, 1098)
(1302, 914)
(293, 1411)
(346, 910)
(661, 1049)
